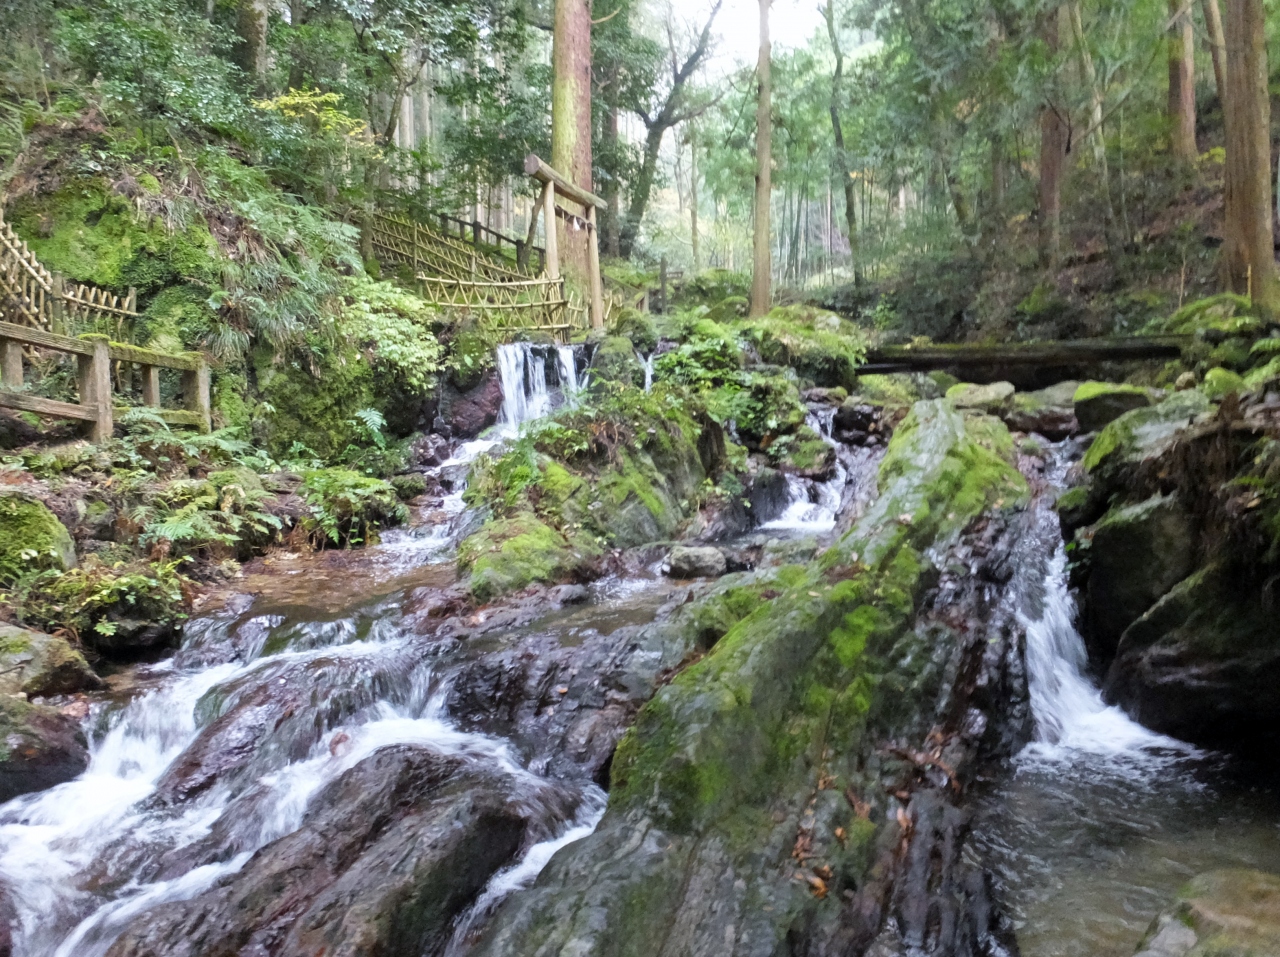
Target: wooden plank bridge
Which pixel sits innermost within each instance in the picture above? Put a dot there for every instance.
(36, 308)
(1059, 353)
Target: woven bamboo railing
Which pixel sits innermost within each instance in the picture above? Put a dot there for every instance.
(33, 296)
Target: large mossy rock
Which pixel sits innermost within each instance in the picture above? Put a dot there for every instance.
(1049, 412)
(36, 664)
(39, 747)
(31, 538)
(508, 554)
(1226, 913)
(1098, 403)
(695, 854)
(1145, 433)
(615, 361)
(992, 398)
(1203, 664)
(1136, 554)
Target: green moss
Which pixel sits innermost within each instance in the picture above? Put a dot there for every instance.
(802, 452)
(615, 361)
(1143, 431)
(508, 554)
(93, 235)
(637, 327)
(1226, 312)
(818, 345)
(891, 389)
(773, 684)
(316, 409)
(31, 539)
(346, 508)
(1086, 391)
(1220, 382)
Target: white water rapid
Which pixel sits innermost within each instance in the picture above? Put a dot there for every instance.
(814, 505)
(647, 362)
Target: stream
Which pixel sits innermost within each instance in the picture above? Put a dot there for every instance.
(211, 755)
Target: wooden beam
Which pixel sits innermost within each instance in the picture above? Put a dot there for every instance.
(11, 363)
(95, 389)
(38, 337)
(195, 388)
(535, 167)
(147, 357)
(34, 403)
(151, 386)
(1068, 352)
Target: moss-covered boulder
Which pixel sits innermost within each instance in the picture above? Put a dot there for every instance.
(1136, 554)
(1098, 403)
(1220, 382)
(1203, 663)
(508, 554)
(36, 664)
(615, 361)
(39, 748)
(758, 741)
(31, 538)
(1145, 433)
(820, 346)
(1226, 913)
(1049, 412)
(992, 399)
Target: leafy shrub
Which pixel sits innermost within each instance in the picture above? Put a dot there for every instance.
(345, 508)
(228, 511)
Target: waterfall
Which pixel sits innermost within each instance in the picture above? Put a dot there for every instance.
(567, 367)
(1072, 719)
(814, 505)
(647, 362)
(523, 374)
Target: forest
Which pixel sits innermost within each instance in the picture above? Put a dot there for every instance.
(627, 478)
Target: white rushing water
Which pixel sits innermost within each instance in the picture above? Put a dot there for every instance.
(567, 367)
(84, 859)
(814, 505)
(647, 362)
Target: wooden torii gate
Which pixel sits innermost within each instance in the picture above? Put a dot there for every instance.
(553, 185)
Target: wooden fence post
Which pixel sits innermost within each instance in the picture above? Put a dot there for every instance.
(11, 363)
(58, 305)
(95, 388)
(475, 233)
(195, 388)
(597, 285)
(151, 386)
(549, 215)
(662, 284)
(522, 255)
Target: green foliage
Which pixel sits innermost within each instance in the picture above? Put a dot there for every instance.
(91, 601)
(229, 510)
(345, 508)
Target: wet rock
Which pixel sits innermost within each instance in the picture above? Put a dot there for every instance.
(31, 537)
(696, 562)
(468, 414)
(1136, 554)
(1049, 412)
(37, 664)
(1099, 403)
(824, 396)
(748, 797)
(386, 858)
(769, 494)
(563, 595)
(1203, 664)
(1227, 913)
(508, 554)
(39, 747)
(992, 399)
(429, 450)
(8, 921)
(14, 432)
(1144, 434)
(615, 361)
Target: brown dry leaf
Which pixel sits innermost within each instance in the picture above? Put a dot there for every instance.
(824, 872)
(840, 835)
(818, 886)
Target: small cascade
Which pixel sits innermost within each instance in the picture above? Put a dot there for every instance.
(567, 367)
(814, 505)
(522, 370)
(647, 362)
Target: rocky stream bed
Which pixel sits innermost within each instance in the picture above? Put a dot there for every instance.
(867, 725)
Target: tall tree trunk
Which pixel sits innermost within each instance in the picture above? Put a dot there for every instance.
(761, 258)
(1213, 27)
(837, 130)
(297, 18)
(1053, 154)
(693, 197)
(571, 115)
(1248, 254)
(612, 192)
(251, 28)
(1182, 84)
(642, 188)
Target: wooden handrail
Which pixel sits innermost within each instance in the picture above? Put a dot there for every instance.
(95, 355)
(535, 167)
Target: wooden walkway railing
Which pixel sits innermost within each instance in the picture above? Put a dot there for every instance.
(95, 355)
(32, 295)
(401, 240)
